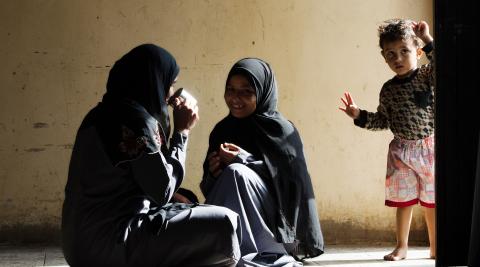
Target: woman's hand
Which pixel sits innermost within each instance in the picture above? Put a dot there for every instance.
(185, 115)
(217, 160)
(228, 152)
(351, 109)
(181, 198)
(422, 31)
(214, 165)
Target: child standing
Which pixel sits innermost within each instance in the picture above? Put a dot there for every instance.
(406, 108)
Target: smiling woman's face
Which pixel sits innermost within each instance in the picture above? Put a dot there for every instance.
(240, 97)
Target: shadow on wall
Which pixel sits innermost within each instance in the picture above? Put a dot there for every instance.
(336, 232)
(25, 234)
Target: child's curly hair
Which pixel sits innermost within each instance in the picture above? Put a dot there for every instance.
(397, 29)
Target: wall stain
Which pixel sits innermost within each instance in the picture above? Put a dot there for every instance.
(35, 149)
(66, 146)
(58, 200)
(98, 67)
(40, 125)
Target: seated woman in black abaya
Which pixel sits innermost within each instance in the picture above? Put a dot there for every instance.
(255, 166)
(125, 169)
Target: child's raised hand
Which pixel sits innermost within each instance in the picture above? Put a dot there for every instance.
(351, 109)
(422, 30)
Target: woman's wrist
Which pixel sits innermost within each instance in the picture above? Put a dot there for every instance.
(183, 132)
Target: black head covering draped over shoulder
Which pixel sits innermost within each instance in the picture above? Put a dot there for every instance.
(270, 137)
(144, 75)
(133, 111)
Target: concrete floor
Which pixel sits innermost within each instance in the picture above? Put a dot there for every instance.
(371, 256)
(335, 256)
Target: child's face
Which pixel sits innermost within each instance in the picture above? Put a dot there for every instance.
(240, 97)
(401, 56)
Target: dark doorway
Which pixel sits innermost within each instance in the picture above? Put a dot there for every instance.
(457, 131)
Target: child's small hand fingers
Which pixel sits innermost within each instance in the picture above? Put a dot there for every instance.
(349, 98)
(344, 101)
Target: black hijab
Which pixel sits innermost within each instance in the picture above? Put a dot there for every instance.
(144, 75)
(133, 115)
(270, 137)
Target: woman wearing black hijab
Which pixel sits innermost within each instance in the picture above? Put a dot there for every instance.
(255, 166)
(125, 169)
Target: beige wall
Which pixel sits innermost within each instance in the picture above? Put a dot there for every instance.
(56, 57)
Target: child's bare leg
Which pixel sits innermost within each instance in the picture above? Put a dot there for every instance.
(404, 218)
(430, 220)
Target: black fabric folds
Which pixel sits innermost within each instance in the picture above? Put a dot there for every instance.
(144, 75)
(474, 249)
(270, 137)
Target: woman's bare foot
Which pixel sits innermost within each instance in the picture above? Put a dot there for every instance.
(399, 253)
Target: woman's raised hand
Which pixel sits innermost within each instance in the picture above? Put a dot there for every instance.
(185, 115)
(351, 109)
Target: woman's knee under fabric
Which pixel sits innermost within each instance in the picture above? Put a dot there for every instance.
(203, 235)
(239, 183)
(217, 231)
(239, 173)
(244, 191)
